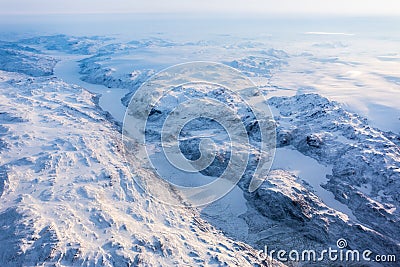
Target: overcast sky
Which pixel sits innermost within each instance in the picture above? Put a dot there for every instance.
(322, 7)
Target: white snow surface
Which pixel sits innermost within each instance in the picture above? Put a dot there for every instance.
(68, 198)
(313, 173)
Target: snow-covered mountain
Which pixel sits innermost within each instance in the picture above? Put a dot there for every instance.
(68, 198)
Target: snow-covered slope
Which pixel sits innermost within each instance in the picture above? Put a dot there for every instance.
(15, 57)
(68, 199)
(333, 177)
(365, 161)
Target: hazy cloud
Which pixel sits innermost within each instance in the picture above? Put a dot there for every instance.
(361, 7)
